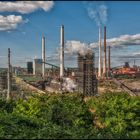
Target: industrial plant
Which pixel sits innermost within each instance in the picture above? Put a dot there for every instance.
(84, 79)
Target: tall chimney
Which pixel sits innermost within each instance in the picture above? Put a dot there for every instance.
(100, 55)
(109, 60)
(9, 76)
(43, 56)
(104, 63)
(62, 51)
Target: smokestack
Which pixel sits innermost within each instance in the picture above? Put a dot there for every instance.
(43, 56)
(9, 76)
(109, 60)
(62, 51)
(104, 66)
(100, 55)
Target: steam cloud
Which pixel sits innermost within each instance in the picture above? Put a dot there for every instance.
(98, 12)
(74, 47)
(69, 85)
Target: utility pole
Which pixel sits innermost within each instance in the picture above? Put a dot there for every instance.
(9, 76)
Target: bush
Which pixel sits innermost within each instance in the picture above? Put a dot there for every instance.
(119, 114)
(69, 117)
(48, 116)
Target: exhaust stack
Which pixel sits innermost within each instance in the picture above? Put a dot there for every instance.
(104, 63)
(109, 60)
(100, 55)
(62, 51)
(43, 56)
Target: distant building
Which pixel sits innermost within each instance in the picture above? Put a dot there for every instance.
(30, 67)
(17, 70)
(126, 65)
(37, 66)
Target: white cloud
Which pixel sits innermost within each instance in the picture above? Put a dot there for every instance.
(121, 41)
(124, 40)
(73, 46)
(10, 22)
(25, 7)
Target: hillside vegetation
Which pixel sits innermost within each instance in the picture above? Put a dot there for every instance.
(69, 116)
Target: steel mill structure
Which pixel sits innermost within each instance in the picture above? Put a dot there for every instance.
(3, 81)
(86, 78)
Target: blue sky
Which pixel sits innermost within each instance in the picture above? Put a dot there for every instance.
(123, 18)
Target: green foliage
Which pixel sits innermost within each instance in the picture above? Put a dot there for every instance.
(68, 117)
(119, 113)
(31, 78)
(6, 105)
(48, 116)
(28, 108)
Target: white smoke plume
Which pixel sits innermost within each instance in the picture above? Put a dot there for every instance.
(97, 11)
(74, 47)
(25, 7)
(10, 22)
(68, 85)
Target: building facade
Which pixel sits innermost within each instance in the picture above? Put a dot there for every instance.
(37, 66)
(30, 67)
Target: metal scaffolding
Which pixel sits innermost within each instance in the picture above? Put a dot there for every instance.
(87, 82)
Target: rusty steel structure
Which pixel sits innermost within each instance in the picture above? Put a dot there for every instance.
(87, 81)
(3, 81)
(109, 67)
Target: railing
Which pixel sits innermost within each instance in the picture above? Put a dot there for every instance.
(124, 87)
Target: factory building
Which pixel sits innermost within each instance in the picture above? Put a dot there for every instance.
(37, 66)
(86, 78)
(30, 67)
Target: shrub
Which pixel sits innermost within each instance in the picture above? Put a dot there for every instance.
(119, 114)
